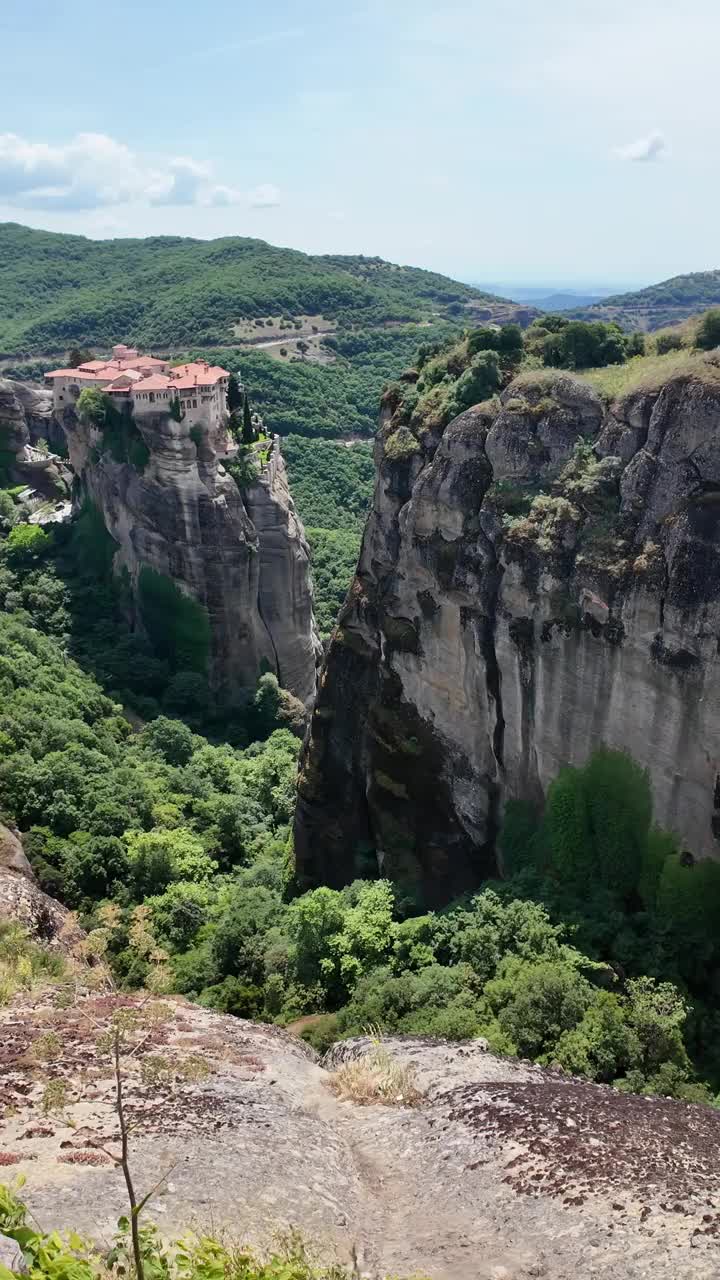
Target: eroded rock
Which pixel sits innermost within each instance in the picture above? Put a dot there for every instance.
(513, 609)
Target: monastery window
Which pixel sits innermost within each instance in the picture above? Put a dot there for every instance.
(194, 404)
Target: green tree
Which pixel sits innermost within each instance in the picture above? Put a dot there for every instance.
(248, 430)
(26, 545)
(171, 738)
(477, 383)
(8, 511)
(235, 396)
(707, 336)
(95, 406)
(78, 356)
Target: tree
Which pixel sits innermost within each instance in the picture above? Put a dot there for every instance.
(477, 383)
(510, 343)
(670, 341)
(248, 430)
(26, 545)
(235, 395)
(171, 738)
(708, 331)
(302, 347)
(8, 512)
(95, 406)
(78, 356)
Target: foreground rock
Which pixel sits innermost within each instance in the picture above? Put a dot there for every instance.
(486, 642)
(504, 1171)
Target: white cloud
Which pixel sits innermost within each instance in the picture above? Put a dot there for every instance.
(266, 196)
(93, 171)
(643, 150)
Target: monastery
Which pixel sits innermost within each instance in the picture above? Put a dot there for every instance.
(148, 384)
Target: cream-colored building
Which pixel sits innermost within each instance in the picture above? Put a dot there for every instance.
(148, 384)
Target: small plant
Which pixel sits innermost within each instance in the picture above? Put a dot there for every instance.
(47, 1047)
(376, 1077)
(401, 445)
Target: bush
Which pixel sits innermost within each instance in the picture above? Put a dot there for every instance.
(707, 336)
(669, 341)
(25, 545)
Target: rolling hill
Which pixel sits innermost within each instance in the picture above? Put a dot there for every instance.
(58, 290)
(660, 304)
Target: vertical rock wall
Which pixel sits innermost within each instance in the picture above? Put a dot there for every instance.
(182, 515)
(478, 652)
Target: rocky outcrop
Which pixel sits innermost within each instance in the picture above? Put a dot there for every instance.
(502, 1171)
(26, 421)
(171, 507)
(537, 579)
(23, 903)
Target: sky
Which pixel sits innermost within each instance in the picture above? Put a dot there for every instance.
(571, 141)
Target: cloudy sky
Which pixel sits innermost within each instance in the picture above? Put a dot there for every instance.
(496, 140)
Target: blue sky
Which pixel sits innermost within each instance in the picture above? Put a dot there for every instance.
(506, 140)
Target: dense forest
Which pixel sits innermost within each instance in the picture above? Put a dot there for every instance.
(332, 488)
(58, 290)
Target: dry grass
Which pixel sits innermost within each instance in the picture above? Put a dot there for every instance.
(650, 373)
(376, 1077)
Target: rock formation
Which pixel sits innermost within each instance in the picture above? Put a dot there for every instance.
(503, 1170)
(23, 903)
(171, 507)
(539, 577)
(26, 420)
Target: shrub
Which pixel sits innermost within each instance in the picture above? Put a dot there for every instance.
(707, 335)
(669, 341)
(401, 445)
(26, 544)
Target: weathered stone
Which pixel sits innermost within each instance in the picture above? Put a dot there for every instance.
(11, 1256)
(529, 647)
(184, 517)
(12, 854)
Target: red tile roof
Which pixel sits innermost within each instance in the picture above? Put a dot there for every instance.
(154, 382)
(79, 374)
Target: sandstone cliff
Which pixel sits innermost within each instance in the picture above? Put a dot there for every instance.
(539, 577)
(171, 507)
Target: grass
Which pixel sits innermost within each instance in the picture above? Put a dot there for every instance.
(376, 1077)
(649, 373)
(23, 963)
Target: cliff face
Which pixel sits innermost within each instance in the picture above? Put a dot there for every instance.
(172, 508)
(539, 578)
(26, 419)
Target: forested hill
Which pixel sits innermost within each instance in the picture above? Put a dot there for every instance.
(660, 304)
(58, 290)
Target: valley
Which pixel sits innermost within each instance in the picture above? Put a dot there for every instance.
(324, 727)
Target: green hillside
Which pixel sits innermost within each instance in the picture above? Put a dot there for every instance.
(658, 305)
(57, 290)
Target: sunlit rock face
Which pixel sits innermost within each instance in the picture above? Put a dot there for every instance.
(538, 579)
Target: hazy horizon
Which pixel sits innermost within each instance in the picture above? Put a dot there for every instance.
(491, 141)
